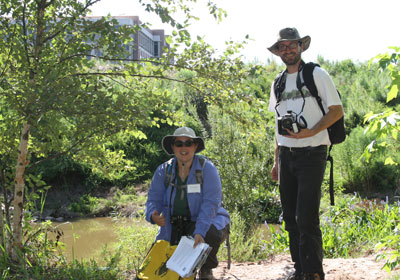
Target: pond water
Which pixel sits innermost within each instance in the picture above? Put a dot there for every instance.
(266, 230)
(85, 238)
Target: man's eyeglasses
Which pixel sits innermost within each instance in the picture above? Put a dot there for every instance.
(291, 46)
(179, 143)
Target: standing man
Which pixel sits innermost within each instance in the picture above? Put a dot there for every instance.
(301, 149)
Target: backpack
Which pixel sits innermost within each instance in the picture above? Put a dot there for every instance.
(198, 173)
(336, 131)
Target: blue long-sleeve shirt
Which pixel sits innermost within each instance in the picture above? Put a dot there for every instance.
(205, 206)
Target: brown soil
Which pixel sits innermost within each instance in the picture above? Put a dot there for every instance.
(278, 268)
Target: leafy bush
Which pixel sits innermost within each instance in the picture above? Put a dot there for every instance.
(362, 89)
(64, 172)
(86, 204)
(357, 175)
(390, 248)
(243, 158)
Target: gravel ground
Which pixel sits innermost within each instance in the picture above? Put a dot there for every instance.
(365, 268)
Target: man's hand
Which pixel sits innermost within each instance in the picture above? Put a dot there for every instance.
(274, 172)
(158, 219)
(198, 239)
(303, 133)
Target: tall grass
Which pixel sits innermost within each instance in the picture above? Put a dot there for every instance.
(134, 243)
(355, 227)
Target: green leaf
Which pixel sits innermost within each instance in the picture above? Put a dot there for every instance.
(168, 39)
(392, 94)
(390, 161)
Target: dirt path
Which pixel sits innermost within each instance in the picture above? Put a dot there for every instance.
(278, 268)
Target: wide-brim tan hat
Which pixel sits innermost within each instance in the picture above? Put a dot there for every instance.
(168, 140)
(290, 34)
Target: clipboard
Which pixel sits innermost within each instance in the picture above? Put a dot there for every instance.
(186, 260)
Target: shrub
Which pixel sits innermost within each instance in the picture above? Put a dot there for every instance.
(357, 175)
(86, 204)
(244, 158)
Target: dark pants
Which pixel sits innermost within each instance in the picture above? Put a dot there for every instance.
(301, 172)
(214, 238)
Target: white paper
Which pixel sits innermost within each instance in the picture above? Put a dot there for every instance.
(185, 258)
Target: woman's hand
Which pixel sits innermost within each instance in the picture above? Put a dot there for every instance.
(158, 219)
(198, 239)
(274, 172)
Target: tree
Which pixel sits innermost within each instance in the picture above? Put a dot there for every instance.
(55, 100)
(386, 125)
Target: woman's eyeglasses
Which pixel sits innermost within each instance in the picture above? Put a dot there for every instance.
(179, 143)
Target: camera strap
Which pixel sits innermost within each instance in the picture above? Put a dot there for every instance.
(280, 84)
(279, 87)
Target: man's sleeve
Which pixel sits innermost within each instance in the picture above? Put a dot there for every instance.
(272, 99)
(326, 88)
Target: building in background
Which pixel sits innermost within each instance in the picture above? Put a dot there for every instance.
(147, 43)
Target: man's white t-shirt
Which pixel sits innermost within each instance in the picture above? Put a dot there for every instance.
(292, 100)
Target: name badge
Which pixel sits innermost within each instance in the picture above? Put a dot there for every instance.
(193, 188)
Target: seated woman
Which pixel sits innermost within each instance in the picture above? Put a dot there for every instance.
(183, 206)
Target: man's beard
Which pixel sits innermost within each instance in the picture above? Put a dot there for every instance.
(292, 60)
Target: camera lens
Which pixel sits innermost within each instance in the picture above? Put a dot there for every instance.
(287, 123)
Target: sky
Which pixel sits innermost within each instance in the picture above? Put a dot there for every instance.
(339, 29)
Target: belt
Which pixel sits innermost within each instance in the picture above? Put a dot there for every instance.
(303, 149)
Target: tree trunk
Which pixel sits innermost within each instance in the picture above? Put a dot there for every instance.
(4, 217)
(2, 228)
(19, 190)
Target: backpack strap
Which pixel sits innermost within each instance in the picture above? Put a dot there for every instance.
(279, 85)
(199, 172)
(308, 69)
(308, 77)
(168, 172)
(331, 191)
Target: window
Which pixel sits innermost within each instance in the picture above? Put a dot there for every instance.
(156, 49)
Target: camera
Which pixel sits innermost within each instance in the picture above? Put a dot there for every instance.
(288, 121)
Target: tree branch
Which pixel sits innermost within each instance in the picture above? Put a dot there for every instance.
(74, 145)
(25, 35)
(70, 22)
(138, 76)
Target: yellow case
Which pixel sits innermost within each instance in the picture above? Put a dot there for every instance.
(154, 266)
